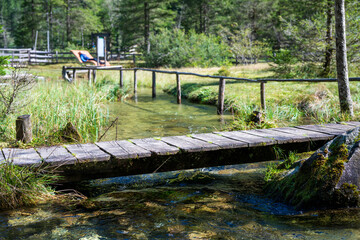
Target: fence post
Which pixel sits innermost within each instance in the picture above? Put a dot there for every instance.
(29, 53)
(121, 78)
(57, 57)
(23, 129)
(262, 96)
(154, 84)
(178, 84)
(135, 81)
(134, 59)
(74, 75)
(89, 76)
(94, 76)
(220, 109)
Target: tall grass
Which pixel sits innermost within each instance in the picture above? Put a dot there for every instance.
(23, 186)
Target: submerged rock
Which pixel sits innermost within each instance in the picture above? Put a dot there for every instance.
(330, 178)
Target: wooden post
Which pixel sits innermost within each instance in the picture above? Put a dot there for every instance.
(178, 84)
(220, 109)
(23, 129)
(89, 76)
(121, 78)
(94, 76)
(134, 59)
(135, 82)
(262, 96)
(74, 75)
(154, 84)
(64, 72)
(57, 57)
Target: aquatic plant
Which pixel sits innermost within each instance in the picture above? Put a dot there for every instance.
(24, 186)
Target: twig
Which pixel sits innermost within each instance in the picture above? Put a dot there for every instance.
(109, 128)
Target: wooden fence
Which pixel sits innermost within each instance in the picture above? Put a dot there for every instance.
(222, 81)
(23, 57)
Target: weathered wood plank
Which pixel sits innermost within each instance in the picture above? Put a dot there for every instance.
(222, 142)
(342, 127)
(322, 129)
(189, 144)
(280, 137)
(56, 155)
(87, 152)
(115, 150)
(156, 146)
(132, 149)
(353, 123)
(313, 135)
(252, 140)
(22, 157)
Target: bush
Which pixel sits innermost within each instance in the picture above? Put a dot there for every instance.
(175, 48)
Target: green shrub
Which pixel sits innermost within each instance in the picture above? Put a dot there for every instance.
(175, 48)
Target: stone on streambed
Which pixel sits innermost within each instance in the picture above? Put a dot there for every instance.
(330, 178)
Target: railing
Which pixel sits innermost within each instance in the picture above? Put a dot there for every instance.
(222, 81)
(23, 57)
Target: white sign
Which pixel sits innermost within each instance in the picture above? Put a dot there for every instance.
(101, 47)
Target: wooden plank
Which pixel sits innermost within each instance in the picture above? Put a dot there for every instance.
(342, 127)
(280, 137)
(115, 150)
(313, 135)
(22, 157)
(353, 123)
(322, 129)
(132, 149)
(222, 142)
(252, 140)
(189, 144)
(156, 146)
(56, 155)
(87, 152)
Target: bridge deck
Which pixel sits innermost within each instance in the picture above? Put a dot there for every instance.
(136, 156)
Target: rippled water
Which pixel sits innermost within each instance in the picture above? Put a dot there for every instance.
(162, 116)
(213, 203)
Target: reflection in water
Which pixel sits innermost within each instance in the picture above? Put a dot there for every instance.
(147, 117)
(210, 203)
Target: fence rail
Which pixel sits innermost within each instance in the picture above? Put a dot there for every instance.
(23, 57)
(71, 72)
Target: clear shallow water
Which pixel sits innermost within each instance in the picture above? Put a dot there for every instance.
(215, 203)
(162, 116)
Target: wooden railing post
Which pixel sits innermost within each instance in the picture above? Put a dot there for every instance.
(89, 76)
(178, 84)
(262, 96)
(121, 78)
(154, 84)
(135, 81)
(23, 129)
(134, 59)
(94, 76)
(74, 75)
(220, 109)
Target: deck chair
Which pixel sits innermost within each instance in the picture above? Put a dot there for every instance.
(77, 55)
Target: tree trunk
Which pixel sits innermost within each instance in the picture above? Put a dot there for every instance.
(346, 105)
(328, 40)
(147, 26)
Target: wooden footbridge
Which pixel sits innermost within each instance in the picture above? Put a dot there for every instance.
(138, 156)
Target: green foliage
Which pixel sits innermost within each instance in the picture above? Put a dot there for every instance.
(23, 186)
(175, 48)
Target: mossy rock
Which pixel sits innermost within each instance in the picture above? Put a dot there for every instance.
(330, 178)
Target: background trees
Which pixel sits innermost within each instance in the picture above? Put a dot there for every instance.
(302, 29)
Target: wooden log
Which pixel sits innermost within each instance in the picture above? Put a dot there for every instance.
(135, 81)
(178, 84)
(220, 109)
(262, 96)
(24, 129)
(154, 84)
(121, 78)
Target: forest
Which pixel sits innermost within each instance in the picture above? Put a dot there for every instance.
(199, 33)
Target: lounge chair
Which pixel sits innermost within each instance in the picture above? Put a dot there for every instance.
(77, 55)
